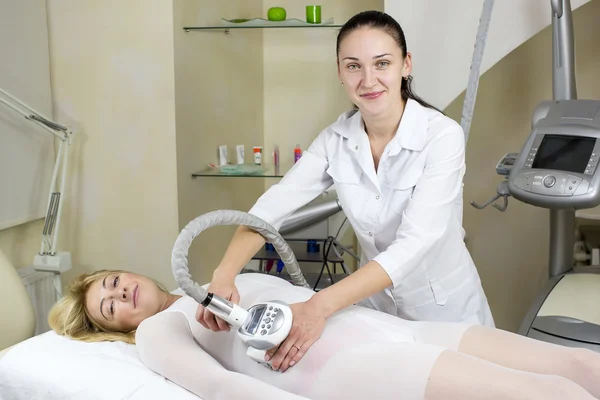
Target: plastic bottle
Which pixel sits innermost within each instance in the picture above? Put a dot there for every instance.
(280, 266)
(257, 155)
(297, 153)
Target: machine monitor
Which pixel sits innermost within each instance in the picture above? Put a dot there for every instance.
(557, 166)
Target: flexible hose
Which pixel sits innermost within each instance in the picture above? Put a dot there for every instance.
(179, 260)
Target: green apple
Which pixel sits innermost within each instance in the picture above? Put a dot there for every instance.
(276, 14)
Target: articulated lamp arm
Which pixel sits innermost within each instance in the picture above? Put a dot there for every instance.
(48, 259)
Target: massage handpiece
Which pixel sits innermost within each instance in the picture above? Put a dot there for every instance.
(262, 327)
(267, 325)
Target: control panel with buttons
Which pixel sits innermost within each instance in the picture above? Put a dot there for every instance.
(552, 183)
(557, 166)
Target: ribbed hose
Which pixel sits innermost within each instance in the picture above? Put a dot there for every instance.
(179, 260)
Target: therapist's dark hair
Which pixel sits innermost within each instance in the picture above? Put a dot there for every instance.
(383, 21)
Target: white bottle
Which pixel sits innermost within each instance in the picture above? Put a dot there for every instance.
(240, 153)
(222, 155)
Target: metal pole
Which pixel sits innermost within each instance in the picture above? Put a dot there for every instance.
(564, 87)
(562, 241)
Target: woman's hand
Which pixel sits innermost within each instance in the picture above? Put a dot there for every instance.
(307, 327)
(227, 290)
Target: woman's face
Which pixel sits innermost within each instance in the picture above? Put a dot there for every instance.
(121, 301)
(371, 67)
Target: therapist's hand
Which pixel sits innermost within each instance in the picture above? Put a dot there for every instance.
(224, 288)
(307, 327)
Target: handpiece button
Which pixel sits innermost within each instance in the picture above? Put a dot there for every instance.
(549, 181)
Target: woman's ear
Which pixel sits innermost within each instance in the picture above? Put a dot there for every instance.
(407, 70)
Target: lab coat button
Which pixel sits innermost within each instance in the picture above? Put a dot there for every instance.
(370, 233)
(376, 197)
(355, 147)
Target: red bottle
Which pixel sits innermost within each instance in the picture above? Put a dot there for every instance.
(297, 153)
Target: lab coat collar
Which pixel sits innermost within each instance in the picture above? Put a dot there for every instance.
(411, 134)
(412, 131)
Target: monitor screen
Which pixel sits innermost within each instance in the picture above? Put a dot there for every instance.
(564, 153)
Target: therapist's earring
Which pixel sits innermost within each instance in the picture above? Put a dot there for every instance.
(342, 83)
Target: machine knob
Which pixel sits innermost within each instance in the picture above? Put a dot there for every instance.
(549, 181)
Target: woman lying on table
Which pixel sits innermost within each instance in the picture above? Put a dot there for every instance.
(362, 353)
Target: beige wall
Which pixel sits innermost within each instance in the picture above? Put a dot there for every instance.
(31, 84)
(236, 89)
(22, 242)
(510, 249)
(219, 101)
(512, 22)
(113, 78)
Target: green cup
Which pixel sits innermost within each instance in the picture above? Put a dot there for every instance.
(313, 14)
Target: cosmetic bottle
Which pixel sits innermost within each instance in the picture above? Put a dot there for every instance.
(297, 153)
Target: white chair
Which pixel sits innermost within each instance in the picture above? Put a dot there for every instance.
(17, 316)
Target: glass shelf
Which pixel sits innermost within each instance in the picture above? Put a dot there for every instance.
(260, 23)
(244, 171)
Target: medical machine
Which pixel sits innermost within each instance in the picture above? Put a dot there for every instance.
(264, 325)
(557, 169)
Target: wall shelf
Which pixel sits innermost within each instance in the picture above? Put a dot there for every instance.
(244, 170)
(259, 23)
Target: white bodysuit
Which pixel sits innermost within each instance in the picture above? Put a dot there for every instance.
(362, 353)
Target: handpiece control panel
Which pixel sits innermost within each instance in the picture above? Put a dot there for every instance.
(267, 325)
(505, 165)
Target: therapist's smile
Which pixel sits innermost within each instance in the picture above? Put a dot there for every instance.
(372, 95)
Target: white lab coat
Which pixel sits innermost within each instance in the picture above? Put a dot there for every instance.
(407, 215)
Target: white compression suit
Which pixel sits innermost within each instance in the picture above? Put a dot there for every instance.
(362, 353)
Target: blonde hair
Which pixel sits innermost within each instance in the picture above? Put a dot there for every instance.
(69, 316)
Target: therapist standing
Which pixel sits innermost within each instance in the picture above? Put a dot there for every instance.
(397, 164)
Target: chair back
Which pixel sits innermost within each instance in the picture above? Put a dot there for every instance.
(17, 315)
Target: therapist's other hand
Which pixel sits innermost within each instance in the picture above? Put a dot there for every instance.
(307, 327)
(225, 289)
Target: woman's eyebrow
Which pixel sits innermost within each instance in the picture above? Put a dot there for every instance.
(102, 301)
(374, 58)
(101, 312)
